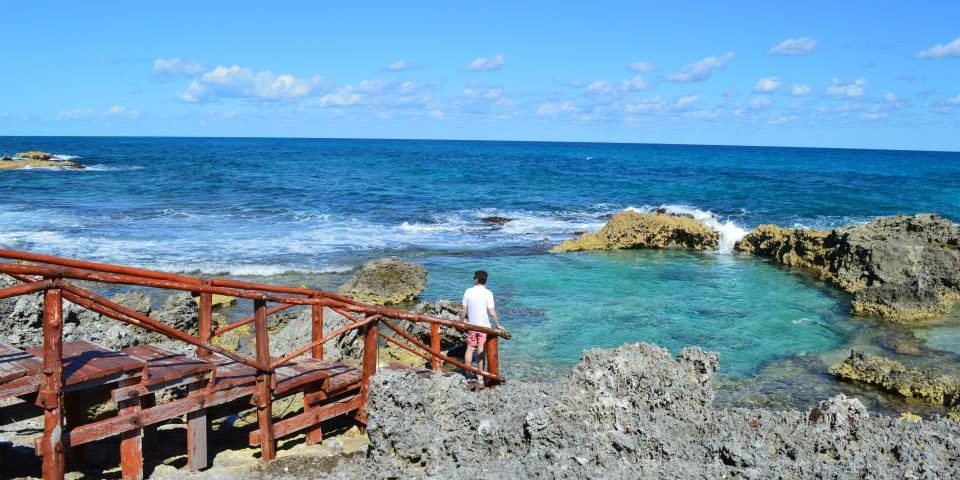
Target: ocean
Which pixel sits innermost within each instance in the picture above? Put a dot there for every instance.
(309, 210)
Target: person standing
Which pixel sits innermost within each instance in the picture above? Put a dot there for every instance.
(478, 309)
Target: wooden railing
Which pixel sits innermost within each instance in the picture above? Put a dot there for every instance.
(55, 276)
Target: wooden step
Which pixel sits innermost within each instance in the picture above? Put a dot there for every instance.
(85, 362)
(164, 366)
(15, 363)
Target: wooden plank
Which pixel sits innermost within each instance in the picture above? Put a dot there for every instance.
(84, 361)
(164, 366)
(229, 374)
(197, 427)
(310, 418)
(264, 389)
(20, 387)
(131, 441)
(109, 427)
(10, 358)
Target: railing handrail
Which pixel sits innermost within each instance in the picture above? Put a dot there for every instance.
(118, 274)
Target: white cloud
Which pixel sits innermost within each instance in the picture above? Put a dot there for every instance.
(76, 114)
(767, 85)
(701, 70)
(486, 64)
(241, 82)
(642, 67)
(685, 101)
(954, 100)
(942, 50)
(604, 87)
(120, 111)
(800, 90)
(634, 84)
(839, 89)
(399, 66)
(599, 86)
(553, 109)
(762, 101)
(175, 67)
(794, 46)
(874, 115)
(112, 112)
(890, 97)
(385, 97)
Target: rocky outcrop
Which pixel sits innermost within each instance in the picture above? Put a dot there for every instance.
(37, 160)
(635, 412)
(34, 155)
(21, 320)
(386, 281)
(445, 309)
(925, 384)
(902, 268)
(496, 220)
(631, 229)
(295, 330)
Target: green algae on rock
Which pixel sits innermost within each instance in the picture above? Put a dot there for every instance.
(386, 281)
(891, 375)
(903, 268)
(631, 229)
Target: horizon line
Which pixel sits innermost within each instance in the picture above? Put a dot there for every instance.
(489, 141)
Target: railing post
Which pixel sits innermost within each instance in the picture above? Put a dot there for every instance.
(311, 398)
(491, 351)
(317, 330)
(371, 339)
(205, 323)
(51, 390)
(435, 346)
(264, 392)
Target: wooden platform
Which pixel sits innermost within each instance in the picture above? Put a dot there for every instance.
(135, 374)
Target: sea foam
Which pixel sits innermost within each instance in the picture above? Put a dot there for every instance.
(729, 231)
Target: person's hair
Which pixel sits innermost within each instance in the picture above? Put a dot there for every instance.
(480, 276)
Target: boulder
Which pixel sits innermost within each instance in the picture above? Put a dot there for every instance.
(903, 268)
(925, 384)
(446, 309)
(219, 301)
(631, 229)
(496, 220)
(386, 281)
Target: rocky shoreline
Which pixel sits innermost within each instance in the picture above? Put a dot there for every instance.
(631, 412)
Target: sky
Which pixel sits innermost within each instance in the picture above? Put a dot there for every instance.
(858, 74)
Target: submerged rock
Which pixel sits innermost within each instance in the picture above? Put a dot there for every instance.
(635, 412)
(496, 220)
(386, 281)
(925, 384)
(630, 229)
(902, 268)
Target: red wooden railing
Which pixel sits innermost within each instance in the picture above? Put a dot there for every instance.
(54, 275)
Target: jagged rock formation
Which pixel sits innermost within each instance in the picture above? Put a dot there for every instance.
(386, 281)
(902, 268)
(34, 159)
(631, 229)
(635, 412)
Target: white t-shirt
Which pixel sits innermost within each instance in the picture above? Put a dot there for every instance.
(477, 299)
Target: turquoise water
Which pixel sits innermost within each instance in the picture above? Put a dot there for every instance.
(309, 210)
(749, 311)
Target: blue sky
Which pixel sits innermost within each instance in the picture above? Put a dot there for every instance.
(833, 74)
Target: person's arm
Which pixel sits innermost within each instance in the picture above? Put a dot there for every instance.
(463, 309)
(492, 311)
(493, 314)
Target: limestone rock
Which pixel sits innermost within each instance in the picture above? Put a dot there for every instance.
(635, 412)
(630, 229)
(903, 268)
(925, 384)
(386, 281)
(34, 155)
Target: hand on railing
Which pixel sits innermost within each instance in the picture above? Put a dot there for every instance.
(504, 333)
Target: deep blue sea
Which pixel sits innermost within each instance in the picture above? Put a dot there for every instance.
(309, 210)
